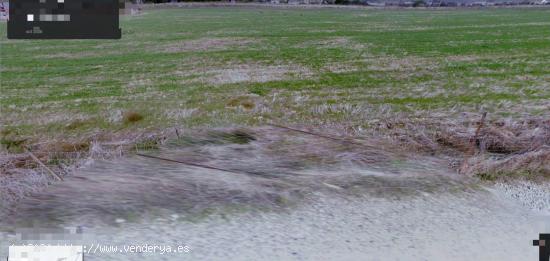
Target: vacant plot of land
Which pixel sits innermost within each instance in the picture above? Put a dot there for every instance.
(209, 67)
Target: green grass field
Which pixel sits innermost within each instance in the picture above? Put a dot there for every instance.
(212, 67)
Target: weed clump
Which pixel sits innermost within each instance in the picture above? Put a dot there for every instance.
(75, 124)
(12, 145)
(531, 165)
(132, 117)
(70, 147)
(148, 144)
(11, 141)
(238, 137)
(244, 102)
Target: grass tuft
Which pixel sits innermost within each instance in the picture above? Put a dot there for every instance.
(132, 117)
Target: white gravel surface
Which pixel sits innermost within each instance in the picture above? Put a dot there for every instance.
(535, 196)
(476, 226)
(420, 213)
(480, 225)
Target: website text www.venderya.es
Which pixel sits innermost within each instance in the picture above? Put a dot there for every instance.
(136, 248)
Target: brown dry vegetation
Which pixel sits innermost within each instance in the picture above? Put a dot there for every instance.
(500, 145)
(501, 148)
(131, 116)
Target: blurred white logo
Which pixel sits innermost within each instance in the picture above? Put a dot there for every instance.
(45, 253)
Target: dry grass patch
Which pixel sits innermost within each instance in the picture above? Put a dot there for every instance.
(340, 67)
(138, 83)
(179, 114)
(64, 146)
(500, 149)
(210, 44)
(37, 116)
(534, 164)
(256, 73)
(409, 63)
(334, 42)
(77, 55)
